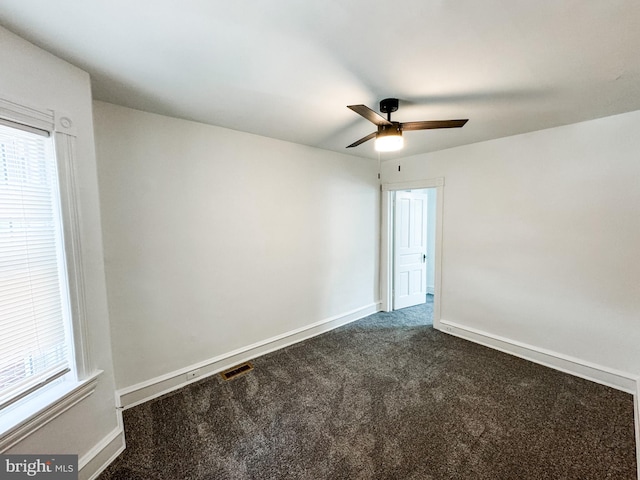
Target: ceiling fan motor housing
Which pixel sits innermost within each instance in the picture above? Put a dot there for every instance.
(389, 105)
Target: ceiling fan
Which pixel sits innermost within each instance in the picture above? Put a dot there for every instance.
(389, 134)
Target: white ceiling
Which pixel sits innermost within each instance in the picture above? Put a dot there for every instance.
(287, 68)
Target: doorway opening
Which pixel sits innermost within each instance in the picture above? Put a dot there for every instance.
(411, 245)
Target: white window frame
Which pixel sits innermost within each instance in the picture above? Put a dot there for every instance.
(33, 412)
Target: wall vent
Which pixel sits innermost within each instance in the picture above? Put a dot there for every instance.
(236, 371)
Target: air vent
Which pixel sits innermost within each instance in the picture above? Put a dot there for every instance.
(237, 371)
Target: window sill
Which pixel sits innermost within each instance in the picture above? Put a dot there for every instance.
(24, 419)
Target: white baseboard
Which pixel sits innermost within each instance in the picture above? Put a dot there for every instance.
(100, 457)
(142, 392)
(606, 376)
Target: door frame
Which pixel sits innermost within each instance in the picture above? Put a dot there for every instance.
(386, 241)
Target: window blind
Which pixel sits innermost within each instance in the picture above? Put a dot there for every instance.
(34, 336)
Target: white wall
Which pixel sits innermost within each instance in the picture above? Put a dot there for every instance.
(541, 237)
(33, 77)
(216, 239)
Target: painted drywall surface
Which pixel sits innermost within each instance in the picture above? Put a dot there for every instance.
(36, 78)
(541, 235)
(217, 239)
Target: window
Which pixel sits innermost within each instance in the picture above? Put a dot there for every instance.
(45, 365)
(35, 343)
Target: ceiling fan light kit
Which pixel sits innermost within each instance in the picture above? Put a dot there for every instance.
(389, 139)
(389, 135)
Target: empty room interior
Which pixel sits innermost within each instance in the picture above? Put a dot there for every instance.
(407, 232)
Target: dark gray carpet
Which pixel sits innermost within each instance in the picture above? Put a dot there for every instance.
(387, 397)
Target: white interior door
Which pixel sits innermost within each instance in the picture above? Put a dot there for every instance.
(410, 249)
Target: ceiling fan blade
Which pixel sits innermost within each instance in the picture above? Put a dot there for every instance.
(369, 114)
(430, 124)
(363, 139)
